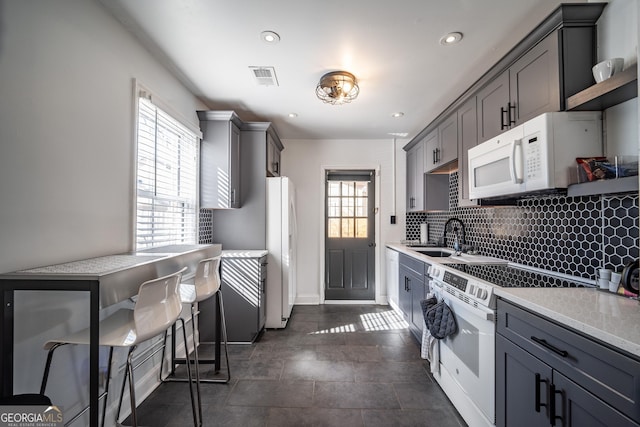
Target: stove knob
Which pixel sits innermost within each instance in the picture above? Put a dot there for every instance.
(481, 293)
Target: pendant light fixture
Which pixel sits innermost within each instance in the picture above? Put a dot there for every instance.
(337, 87)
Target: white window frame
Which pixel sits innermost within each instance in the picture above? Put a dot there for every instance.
(179, 232)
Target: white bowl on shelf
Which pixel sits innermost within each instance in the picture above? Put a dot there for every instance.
(605, 69)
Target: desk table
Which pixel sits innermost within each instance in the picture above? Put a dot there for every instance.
(108, 280)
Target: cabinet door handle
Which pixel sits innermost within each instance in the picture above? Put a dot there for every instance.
(503, 125)
(537, 392)
(552, 404)
(550, 347)
(275, 167)
(510, 106)
(433, 156)
(437, 155)
(233, 196)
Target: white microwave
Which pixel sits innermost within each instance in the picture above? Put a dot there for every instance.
(536, 156)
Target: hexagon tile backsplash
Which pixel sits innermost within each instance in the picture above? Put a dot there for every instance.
(570, 235)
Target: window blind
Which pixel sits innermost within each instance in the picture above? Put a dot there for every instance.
(167, 174)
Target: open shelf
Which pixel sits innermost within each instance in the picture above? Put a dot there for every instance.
(605, 186)
(617, 89)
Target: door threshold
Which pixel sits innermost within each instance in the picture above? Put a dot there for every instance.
(349, 302)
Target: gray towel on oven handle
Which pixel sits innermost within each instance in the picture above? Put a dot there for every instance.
(430, 348)
(439, 318)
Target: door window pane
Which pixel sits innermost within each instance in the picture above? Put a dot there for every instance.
(333, 207)
(347, 227)
(333, 189)
(347, 209)
(361, 207)
(361, 227)
(333, 227)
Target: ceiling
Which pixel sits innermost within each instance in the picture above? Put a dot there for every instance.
(392, 47)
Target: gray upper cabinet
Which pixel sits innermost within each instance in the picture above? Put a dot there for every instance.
(274, 147)
(415, 178)
(441, 145)
(538, 82)
(220, 159)
(552, 63)
(492, 100)
(534, 82)
(246, 227)
(467, 138)
(528, 88)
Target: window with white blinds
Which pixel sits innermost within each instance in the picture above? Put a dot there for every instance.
(167, 174)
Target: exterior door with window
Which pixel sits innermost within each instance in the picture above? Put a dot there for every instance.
(349, 235)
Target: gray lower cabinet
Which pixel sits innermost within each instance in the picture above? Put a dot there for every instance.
(243, 288)
(413, 289)
(549, 375)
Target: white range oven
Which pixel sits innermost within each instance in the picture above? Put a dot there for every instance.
(467, 357)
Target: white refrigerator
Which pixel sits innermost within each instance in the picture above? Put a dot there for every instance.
(282, 247)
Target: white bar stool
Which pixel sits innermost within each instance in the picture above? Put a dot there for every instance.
(157, 308)
(206, 285)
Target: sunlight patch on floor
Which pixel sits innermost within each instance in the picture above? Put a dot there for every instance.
(385, 321)
(337, 330)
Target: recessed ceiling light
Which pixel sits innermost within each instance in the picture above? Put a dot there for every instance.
(399, 134)
(451, 38)
(293, 115)
(398, 114)
(270, 37)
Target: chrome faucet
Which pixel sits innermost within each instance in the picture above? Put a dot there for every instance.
(459, 238)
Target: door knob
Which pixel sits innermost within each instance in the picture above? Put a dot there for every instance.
(371, 245)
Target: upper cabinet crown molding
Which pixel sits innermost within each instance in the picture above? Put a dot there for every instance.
(220, 115)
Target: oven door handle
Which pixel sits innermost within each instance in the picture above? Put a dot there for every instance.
(484, 313)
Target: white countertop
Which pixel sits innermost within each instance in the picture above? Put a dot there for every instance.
(453, 259)
(237, 253)
(611, 318)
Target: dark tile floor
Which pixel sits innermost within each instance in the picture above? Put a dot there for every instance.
(333, 365)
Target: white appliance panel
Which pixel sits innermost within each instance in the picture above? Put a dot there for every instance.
(282, 248)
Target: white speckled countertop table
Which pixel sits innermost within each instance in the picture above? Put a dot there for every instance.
(610, 318)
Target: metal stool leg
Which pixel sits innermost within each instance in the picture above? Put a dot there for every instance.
(197, 419)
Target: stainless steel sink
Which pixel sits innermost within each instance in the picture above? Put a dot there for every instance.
(436, 254)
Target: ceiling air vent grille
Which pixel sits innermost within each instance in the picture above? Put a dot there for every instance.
(264, 76)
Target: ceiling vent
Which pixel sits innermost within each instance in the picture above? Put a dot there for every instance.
(264, 76)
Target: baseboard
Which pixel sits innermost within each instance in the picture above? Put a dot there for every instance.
(350, 302)
(307, 299)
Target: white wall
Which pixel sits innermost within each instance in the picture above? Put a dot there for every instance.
(66, 129)
(303, 161)
(618, 38)
(66, 164)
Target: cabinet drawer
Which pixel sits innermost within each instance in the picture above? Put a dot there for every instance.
(608, 374)
(412, 263)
